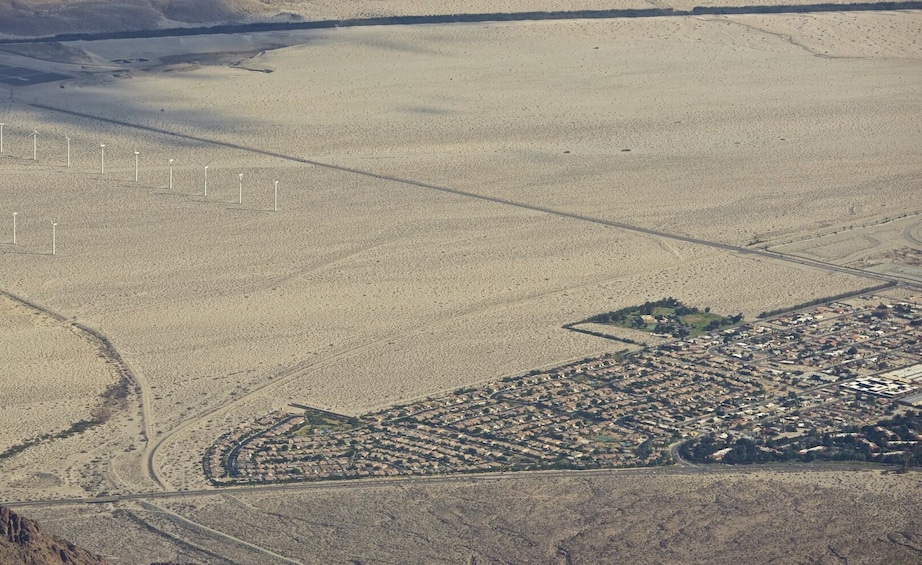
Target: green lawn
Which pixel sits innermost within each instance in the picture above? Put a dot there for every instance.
(672, 317)
(316, 422)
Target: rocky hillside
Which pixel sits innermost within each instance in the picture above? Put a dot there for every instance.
(22, 541)
(33, 18)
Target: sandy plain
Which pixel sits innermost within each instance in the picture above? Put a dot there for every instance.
(51, 17)
(367, 289)
(767, 516)
(42, 354)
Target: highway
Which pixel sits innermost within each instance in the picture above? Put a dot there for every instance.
(682, 468)
(658, 10)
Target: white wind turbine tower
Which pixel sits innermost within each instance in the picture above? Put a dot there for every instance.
(1, 137)
(206, 181)
(14, 228)
(67, 137)
(276, 206)
(35, 145)
(54, 238)
(136, 153)
(102, 159)
(240, 197)
(171, 174)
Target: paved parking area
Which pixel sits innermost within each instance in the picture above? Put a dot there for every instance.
(21, 76)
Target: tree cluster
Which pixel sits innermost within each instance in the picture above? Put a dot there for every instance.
(896, 441)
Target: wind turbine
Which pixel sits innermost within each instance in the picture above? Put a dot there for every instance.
(102, 159)
(14, 228)
(206, 181)
(136, 153)
(171, 174)
(35, 145)
(276, 206)
(240, 197)
(68, 149)
(54, 238)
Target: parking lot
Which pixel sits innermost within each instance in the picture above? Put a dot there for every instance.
(21, 76)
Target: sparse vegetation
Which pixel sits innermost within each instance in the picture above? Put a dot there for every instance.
(825, 299)
(74, 429)
(894, 441)
(113, 397)
(316, 421)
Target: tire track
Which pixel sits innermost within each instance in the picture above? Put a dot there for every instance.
(252, 286)
(787, 38)
(908, 236)
(113, 355)
(186, 545)
(286, 278)
(214, 534)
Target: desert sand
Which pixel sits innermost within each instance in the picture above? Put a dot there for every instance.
(44, 359)
(366, 289)
(777, 516)
(51, 17)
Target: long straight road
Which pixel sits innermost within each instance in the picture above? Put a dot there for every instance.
(684, 468)
(750, 251)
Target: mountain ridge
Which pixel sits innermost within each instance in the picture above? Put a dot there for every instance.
(23, 541)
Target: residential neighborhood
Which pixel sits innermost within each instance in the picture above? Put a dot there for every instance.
(847, 363)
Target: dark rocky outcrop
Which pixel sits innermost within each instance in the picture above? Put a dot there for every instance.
(23, 542)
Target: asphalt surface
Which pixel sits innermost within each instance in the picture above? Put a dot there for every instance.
(652, 12)
(683, 468)
(21, 76)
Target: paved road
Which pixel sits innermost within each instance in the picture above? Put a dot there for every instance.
(657, 10)
(677, 470)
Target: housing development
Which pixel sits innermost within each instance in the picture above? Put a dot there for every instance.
(850, 362)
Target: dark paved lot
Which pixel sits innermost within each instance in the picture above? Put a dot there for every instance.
(21, 76)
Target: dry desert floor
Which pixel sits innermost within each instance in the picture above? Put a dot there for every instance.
(443, 193)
